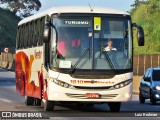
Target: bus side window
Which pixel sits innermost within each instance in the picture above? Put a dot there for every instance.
(34, 32)
(25, 36)
(42, 24)
(21, 38)
(38, 32)
(20, 42)
(30, 34)
(17, 39)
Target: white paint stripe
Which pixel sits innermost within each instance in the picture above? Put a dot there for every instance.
(5, 100)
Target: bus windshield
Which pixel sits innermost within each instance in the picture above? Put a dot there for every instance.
(101, 43)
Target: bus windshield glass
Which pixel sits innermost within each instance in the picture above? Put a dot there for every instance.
(99, 43)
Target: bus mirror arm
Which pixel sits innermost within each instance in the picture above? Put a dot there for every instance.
(47, 33)
(140, 34)
(55, 30)
(48, 66)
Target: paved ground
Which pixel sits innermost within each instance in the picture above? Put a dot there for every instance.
(11, 101)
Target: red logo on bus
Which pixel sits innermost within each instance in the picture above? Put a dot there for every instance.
(38, 55)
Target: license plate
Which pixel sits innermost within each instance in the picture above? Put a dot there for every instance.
(92, 95)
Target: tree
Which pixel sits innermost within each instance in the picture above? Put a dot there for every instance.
(22, 8)
(137, 3)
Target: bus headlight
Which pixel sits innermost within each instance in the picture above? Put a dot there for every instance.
(60, 83)
(122, 84)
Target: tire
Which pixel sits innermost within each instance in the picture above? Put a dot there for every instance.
(48, 105)
(37, 102)
(152, 100)
(141, 98)
(114, 106)
(29, 101)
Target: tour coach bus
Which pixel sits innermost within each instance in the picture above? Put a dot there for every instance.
(76, 54)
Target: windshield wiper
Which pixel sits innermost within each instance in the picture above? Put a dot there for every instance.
(106, 56)
(79, 60)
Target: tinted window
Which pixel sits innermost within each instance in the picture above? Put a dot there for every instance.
(30, 34)
(75, 35)
(156, 75)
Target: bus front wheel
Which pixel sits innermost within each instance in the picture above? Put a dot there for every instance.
(114, 106)
(48, 105)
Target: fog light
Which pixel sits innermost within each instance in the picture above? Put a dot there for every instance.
(157, 96)
(127, 95)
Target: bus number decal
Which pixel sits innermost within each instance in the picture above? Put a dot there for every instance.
(77, 82)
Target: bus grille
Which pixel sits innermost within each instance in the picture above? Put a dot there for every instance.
(83, 96)
(92, 88)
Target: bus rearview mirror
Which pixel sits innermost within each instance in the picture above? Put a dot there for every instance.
(47, 33)
(140, 34)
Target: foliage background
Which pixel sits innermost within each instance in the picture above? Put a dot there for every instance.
(147, 14)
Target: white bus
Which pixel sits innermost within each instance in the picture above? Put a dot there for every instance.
(76, 54)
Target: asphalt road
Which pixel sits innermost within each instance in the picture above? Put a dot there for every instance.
(11, 101)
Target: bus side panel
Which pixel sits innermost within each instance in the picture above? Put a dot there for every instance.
(35, 84)
(19, 71)
(28, 71)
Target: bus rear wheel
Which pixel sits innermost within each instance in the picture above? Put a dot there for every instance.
(114, 106)
(48, 105)
(37, 102)
(29, 100)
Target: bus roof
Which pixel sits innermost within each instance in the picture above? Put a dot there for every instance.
(73, 9)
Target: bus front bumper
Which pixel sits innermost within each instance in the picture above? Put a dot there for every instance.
(58, 93)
